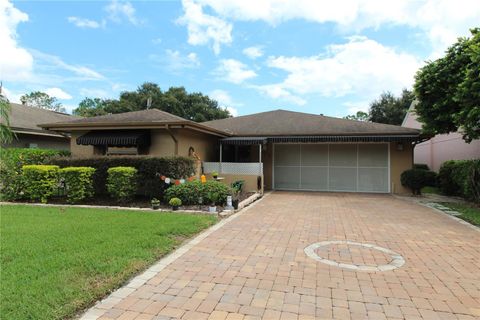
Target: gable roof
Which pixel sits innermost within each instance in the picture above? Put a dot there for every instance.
(290, 123)
(25, 119)
(150, 118)
(410, 120)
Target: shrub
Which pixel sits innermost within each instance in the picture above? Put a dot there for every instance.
(121, 182)
(237, 186)
(421, 166)
(190, 192)
(416, 179)
(460, 178)
(11, 162)
(78, 183)
(40, 181)
(149, 170)
(175, 202)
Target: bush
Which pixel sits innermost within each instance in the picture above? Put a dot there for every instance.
(460, 178)
(149, 170)
(122, 182)
(175, 202)
(416, 179)
(11, 162)
(421, 166)
(40, 181)
(191, 192)
(78, 183)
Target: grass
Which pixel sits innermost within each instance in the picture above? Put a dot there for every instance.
(469, 212)
(57, 261)
(433, 190)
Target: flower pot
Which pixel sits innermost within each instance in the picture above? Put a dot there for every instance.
(155, 206)
(215, 177)
(235, 204)
(212, 209)
(174, 208)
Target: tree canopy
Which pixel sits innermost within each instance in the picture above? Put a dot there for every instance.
(6, 134)
(42, 100)
(448, 90)
(387, 108)
(176, 100)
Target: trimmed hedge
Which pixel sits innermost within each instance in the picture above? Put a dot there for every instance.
(421, 166)
(11, 162)
(149, 170)
(460, 178)
(40, 181)
(416, 179)
(191, 192)
(122, 183)
(78, 183)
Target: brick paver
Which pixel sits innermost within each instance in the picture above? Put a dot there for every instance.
(255, 267)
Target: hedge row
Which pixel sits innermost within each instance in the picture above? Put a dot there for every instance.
(11, 162)
(460, 178)
(196, 192)
(149, 170)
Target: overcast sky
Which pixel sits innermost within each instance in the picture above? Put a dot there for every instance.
(330, 57)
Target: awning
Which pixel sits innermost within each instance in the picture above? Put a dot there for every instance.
(116, 138)
(306, 139)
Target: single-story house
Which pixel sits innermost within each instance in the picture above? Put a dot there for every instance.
(275, 150)
(441, 147)
(24, 121)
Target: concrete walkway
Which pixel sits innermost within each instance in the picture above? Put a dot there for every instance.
(255, 266)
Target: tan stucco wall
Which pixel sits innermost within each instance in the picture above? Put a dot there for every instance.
(42, 142)
(399, 162)
(205, 145)
(250, 181)
(79, 150)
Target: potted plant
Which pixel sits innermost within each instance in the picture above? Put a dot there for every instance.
(155, 204)
(213, 196)
(175, 203)
(215, 175)
(237, 188)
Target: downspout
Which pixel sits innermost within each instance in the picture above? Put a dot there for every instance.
(173, 138)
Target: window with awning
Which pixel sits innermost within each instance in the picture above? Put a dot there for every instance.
(116, 138)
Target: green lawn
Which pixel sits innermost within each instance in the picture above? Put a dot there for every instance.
(469, 212)
(58, 261)
(434, 190)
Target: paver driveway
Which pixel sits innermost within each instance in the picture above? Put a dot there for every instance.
(255, 266)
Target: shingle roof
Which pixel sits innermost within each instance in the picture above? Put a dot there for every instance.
(286, 123)
(25, 118)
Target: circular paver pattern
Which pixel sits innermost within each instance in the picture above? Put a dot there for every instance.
(354, 255)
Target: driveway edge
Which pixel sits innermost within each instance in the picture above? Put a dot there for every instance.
(102, 306)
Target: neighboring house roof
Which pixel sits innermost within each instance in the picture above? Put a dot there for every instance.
(151, 118)
(25, 119)
(289, 123)
(410, 120)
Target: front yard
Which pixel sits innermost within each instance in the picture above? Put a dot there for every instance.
(57, 261)
(469, 212)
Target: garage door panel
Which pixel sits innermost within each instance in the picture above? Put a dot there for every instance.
(287, 178)
(343, 155)
(343, 179)
(287, 155)
(314, 155)
(373, 179)
(314, 178)
(372, 155)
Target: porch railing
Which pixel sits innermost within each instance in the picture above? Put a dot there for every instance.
(248, 168)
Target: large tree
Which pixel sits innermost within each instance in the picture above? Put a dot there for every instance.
(42, 100)
(359, 116)
(6, 134)
(390, 109)
(176, 100)
(448, 90)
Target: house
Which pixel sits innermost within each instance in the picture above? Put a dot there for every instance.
(24, 122)
(275, 150)
(441, 147)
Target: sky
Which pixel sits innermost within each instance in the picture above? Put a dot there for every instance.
(322, 57)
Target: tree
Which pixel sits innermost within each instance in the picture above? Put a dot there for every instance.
(6, 134)
(176, 100)
(359, 116)
(448, 90)
(42, 100)
(390, 109)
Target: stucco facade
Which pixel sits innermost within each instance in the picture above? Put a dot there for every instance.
(38, 141)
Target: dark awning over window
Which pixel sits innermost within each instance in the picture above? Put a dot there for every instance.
(244, 140)
(116, 138)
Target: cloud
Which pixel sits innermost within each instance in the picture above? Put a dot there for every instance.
(253, 52)
(203, 28)
(234, 71)
(86, 23)
(58, 93)
(354, 107)
(360, 66)
(16, 63)
(276, 91)
(175, 61)
(120, 10)
(440, 21)
(225, 101)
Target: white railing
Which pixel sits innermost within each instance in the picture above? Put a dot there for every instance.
(249, 168)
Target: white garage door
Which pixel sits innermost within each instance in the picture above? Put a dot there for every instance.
(331, 167)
